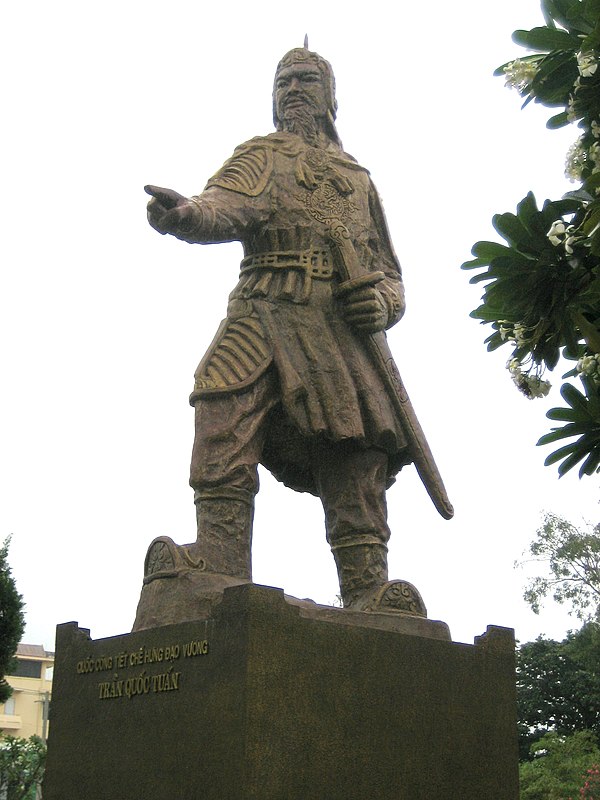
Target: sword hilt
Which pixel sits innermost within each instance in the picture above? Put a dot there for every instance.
(368, 279)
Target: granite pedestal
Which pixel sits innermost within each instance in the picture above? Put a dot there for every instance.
(268, 700)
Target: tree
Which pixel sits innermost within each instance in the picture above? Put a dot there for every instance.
(542, 292)
(12, 620)
(572, 562)
(558, 687)
(558, 764)
(22, 764)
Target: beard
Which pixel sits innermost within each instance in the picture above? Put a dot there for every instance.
(301, 120)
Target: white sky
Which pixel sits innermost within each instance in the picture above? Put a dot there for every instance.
(103, 321)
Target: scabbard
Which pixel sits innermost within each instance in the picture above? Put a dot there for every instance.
(350, 269)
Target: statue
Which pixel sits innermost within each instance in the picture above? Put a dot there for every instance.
(298, 377)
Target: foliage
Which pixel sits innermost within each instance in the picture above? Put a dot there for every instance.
(558, 687)
(557, 766)
(572, 561)
(542, 292)
(12, 620)
(21, 766)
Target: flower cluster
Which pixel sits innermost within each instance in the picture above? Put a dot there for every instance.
(590, 366)
(563, 235)
(576, 161)
(530, 385)
(515, 332)
(519, 74)
(587, 64)
(591, 788)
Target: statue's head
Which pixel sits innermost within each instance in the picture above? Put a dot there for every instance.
(303, 78)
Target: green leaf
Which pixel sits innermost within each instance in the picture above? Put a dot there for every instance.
(559, 454)
(575, 399)
(591, 219)
(553, 82)
(485, 252)
(512, 229)
(532, 220)
(592, 183)
(558, 208)
(570, 462)
(546, 39)
(484, 276)
(572, 429)
(591, 464)
(558, 121)
(561, 414)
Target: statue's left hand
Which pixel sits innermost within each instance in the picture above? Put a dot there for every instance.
(365, 309)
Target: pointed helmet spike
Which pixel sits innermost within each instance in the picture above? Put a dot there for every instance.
(306, 41)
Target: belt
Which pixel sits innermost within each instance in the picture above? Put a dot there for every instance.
(317, 263)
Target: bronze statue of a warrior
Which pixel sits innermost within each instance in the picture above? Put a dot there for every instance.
(298, 377)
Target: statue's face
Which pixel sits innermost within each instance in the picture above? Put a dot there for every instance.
(300, 85)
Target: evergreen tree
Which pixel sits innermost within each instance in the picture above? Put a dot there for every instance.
(12, 621)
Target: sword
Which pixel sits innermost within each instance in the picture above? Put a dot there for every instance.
(354, 276)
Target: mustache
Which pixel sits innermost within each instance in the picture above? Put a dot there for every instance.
(299, 98)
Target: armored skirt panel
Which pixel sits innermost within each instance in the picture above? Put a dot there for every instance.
(327, 384)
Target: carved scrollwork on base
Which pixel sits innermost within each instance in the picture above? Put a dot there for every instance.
(397, 597)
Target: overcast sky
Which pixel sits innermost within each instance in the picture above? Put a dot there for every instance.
(103, 321)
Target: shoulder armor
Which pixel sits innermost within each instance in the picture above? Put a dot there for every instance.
(248, 169)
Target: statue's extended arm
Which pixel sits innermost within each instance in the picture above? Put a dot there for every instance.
(217, 215)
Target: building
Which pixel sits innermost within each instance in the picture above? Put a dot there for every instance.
(25, 713)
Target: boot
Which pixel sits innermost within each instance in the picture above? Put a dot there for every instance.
(186, 582)
(223, 546)
(361, 563)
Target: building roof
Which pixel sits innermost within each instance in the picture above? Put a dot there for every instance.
(33, 651)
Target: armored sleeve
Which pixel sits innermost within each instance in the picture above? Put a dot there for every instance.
(235, 198)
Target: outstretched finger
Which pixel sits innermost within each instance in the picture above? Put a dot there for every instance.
(166, 197)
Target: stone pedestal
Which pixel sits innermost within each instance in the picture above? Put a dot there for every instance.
(271, 700)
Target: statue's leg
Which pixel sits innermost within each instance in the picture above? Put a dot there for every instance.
(229, 438)
(352, 483)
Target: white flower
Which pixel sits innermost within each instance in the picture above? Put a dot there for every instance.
(590, 366)
(530, 385)
(572, 114)
(536, 387)
(521, 334)
(557, 231)
(575, 161)
(519, 75)
(513, 365)
(587, 64)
